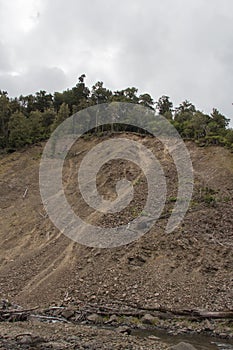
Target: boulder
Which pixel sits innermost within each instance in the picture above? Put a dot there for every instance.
(68, 313)
(123, 330)
(112, 319)
(94, 318)
(148, 319)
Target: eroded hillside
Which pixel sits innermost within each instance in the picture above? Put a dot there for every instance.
(190, 268)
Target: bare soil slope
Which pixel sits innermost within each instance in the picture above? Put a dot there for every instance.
(190, 268)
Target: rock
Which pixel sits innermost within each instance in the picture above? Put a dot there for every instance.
(73, 339)
(112, 319)
(123, 329)
(28, 339)
(183, 346)
(68, 313)
(153, 337)
(148, 319)
(94, 318)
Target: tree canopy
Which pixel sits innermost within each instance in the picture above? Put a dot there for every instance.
(28, 119)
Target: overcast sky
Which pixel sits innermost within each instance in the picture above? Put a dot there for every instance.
(181, 48)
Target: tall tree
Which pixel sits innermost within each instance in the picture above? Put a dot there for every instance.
(43, 101)
(218, 122)
(184, 112)
(48, 118)
(18, 130)
(127, 95)
(4, 117)
(62, 115)
(27, 103)
(146, 100)
(164, 106)
(199, 123)
(99, 94)
(35, 127)
(229, 138)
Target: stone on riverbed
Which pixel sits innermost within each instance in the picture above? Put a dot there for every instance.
(148, 319)
(183, 346)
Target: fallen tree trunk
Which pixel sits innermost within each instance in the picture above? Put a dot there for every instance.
(138, 311)
(213, 314)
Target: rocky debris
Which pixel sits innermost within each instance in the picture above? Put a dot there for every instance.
(26, 336)
(22, 341)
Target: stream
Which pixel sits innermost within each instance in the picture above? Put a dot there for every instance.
(200, 342)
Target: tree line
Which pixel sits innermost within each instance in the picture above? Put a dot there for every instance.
(29, 119)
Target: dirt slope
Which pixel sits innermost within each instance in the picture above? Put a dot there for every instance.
(191, 268)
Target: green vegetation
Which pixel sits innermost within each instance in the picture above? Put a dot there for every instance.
(208, 196)
(28, 119)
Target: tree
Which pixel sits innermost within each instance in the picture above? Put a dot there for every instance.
(43, 101)
(164, 107)
(80, 94)
(199, 124)
(35, 127)
(218, 122)
(58, 99)
(4, 117)
(146, 100)
(99, 94)
(48, 118)
(14, 105)
(229, 138)
(18, 130)
(131, 95)
(76, 98)
(27, 103)
(63, 114)
(184, 112)
(128, 95)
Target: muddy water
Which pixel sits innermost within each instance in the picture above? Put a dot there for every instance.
(198, 341)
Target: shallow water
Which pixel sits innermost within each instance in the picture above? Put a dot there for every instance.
(200, 342)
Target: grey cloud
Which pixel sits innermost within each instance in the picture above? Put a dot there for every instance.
(5, 64)
(177, 48)
(34, 79)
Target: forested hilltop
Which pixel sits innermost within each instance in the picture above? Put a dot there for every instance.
(28, 119)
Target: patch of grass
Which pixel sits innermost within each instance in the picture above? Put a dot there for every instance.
(37, 156)
(144, 213)
(135, 212)
(209, 199)
(226, 199)
(172, 199)
(137, 181)
(208, 195)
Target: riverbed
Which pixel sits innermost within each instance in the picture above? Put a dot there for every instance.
(200, 342)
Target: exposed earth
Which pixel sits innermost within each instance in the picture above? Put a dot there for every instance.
(190, 268)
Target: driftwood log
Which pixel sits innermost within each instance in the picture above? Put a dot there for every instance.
(13, 315)
(81, 312)
(138, 311)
